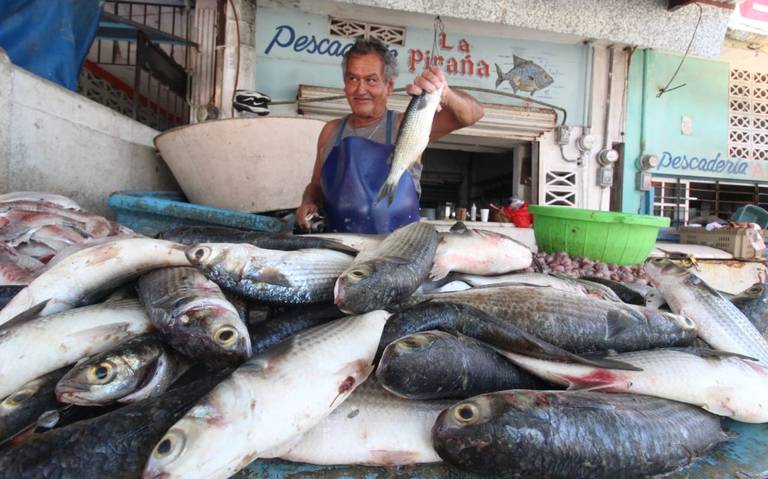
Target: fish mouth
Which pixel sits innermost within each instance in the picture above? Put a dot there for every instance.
(71, 395)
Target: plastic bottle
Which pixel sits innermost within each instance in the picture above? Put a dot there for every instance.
(473, 213)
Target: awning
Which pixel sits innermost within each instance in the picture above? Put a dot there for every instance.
(501, 128)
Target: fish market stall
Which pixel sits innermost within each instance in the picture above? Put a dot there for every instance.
(432, 351)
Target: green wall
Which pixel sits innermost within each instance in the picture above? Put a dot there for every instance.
(654, 124)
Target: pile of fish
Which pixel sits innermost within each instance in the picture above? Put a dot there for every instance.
(34, 227)
(193, 354)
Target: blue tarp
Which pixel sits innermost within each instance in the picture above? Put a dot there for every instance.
(50, 38)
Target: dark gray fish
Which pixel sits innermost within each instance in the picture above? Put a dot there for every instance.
(524, 75)
(576, 323)
(192, 235)
(624, 292)
(194, 317)
(140, 368)
(115, 445)
(564, 435)
(7, 293)
(270, 332)
(388, 273)
(23, 407)
(439, 365)
(472, 322)
(753, 302)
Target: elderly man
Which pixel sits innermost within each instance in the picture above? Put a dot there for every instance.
(353, 152)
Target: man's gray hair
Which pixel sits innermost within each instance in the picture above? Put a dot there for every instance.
(372, 45)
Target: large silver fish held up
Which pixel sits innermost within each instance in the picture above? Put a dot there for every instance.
(412, 140)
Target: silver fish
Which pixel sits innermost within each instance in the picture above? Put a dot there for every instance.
(412, 139)
(388, 273)
(76, 279)
(137, 369)
(524, 75)
(721, 324)
(36, 346)
(271, 399)
(722, 383)
(194, 317)
(561, 283)
(22, 408)
(373, 428)
(294, 277)
(478, 252)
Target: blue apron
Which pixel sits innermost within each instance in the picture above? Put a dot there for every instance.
(351, 177)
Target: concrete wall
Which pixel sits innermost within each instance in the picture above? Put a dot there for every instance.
(654, 124)
(52, 139)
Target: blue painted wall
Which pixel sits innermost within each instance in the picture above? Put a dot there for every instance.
(654, 123)
(293, 47)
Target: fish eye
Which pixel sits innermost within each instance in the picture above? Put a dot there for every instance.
(200, 253)
(357, 274)
(101, 373)
(225, 336)
(416, 341)
(170, 445)
(466, 413)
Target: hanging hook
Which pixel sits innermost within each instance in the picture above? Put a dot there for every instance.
(438, 28)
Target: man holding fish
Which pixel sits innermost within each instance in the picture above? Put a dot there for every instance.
(374, 153)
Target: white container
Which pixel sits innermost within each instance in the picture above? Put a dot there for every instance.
(484, 214)
(244, 164)
(473, 213)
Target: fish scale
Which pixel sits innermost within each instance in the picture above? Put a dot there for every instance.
(576, 323)
(720, 323)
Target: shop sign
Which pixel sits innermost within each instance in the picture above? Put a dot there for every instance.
(717, 166)
(458, 62)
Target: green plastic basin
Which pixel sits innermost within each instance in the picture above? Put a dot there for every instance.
(619, 238)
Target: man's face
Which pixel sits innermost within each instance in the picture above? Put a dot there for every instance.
(364, 85)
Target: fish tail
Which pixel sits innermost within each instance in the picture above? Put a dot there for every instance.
(500, 78)
(388, 189)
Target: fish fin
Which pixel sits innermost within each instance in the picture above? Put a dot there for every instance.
(713, 353)
(439, 271)
(538, 348)
(617, 322)
(388, 189)
(459, 227)
(336, 245)
(270, 276)
(500, 78)
(514, 87)
(518, 61)
(25, 316)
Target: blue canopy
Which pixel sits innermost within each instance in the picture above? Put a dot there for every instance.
(50, 38)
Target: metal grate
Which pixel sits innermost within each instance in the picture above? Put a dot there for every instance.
(748, 115)
(560, 188)
(388, 34)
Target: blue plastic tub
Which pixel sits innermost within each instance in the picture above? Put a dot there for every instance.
(149, 212)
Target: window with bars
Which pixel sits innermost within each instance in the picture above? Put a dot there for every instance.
(748, 115)
(388, 34)
(686, 200)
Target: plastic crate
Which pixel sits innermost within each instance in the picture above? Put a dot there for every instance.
(731, 240)
(149, 212)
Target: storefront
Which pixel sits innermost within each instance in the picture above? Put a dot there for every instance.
(699, 149)
(299, 56)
